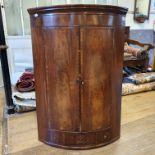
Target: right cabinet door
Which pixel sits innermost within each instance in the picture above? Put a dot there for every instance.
(97, 47)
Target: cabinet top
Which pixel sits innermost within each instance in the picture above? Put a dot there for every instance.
(79, 8)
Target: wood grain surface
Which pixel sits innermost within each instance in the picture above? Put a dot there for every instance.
(78, 57)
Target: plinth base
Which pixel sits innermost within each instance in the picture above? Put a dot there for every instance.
(78, 140)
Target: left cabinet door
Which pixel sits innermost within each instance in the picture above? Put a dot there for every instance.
(61, 61)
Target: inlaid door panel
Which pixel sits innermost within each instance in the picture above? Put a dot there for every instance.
(96, 60)
(61, 54)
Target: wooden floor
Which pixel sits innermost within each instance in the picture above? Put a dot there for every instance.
(137, 131)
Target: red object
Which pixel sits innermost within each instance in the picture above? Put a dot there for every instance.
(27, 76)
(26, 82)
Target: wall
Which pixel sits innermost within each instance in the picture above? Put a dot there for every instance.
(16, 10)
(125, 3)
(148, 24)
(15, 13)
(140, 31)
(20, 52)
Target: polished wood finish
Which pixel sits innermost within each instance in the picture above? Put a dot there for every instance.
(78, 55)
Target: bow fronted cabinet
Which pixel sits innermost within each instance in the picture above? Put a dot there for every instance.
(78, 59)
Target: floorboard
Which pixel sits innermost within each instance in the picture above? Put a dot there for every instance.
(137, 131)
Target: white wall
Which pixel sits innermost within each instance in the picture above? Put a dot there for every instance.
(20, 52)
(19, 55)
(148, 24)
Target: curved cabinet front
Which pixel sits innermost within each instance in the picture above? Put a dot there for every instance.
(78, 55)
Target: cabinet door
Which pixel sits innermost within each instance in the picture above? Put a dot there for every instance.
(61, 54)
(96, 59)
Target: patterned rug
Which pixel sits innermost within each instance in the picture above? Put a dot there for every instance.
(139, 82)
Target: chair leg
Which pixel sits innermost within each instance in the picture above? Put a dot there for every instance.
(153, 62)
(146, 63)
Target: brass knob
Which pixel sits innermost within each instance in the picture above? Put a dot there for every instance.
(81, 82)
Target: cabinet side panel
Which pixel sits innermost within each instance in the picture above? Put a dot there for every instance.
(61, 50)
(97, 52)
(119, 39)
(40, 80)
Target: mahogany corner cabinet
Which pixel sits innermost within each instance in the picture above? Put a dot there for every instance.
(78, 59)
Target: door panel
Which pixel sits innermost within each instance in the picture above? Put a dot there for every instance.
(96, 71)
(61, 50)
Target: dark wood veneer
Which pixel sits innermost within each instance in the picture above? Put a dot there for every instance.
(78, 59)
